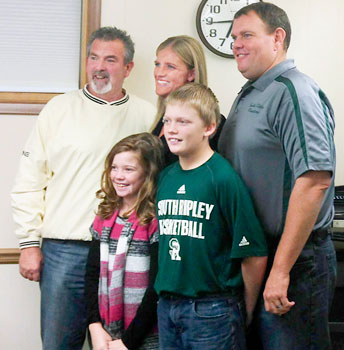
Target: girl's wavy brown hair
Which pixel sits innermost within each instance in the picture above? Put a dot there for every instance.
(149, 151)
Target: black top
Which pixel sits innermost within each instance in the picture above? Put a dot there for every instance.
(146, 315)
(169, 157)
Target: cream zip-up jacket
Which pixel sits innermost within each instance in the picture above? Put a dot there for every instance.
(62, 162)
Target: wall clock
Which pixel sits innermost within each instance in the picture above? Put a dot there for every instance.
(214, 22)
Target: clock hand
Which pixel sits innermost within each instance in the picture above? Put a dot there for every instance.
(229, 30)
(229, 21)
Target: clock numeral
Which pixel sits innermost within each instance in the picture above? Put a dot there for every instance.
(222, 41)
(215, 9)
(213, 33)
(223, 2)
(209, 20)
(232, 45)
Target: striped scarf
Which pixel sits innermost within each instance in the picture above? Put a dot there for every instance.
(124, 268)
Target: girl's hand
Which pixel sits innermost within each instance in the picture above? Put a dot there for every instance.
(100, 337)
(117, 345)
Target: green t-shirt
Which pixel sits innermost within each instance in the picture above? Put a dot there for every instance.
(206, 225)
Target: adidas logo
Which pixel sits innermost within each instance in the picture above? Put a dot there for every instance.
(181, 190)
(244, 242)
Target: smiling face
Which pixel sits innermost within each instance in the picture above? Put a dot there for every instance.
(170, 72)
(127, 176)
(106, 69)
(255, 49)
(186, 134)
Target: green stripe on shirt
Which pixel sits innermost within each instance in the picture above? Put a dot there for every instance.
(299, 123)
(325, 110)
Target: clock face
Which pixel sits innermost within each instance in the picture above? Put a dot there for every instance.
(214, 24)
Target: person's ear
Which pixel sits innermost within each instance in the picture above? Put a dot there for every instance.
(279, 37)
(128, 67)
(210, 129)
(191, 75)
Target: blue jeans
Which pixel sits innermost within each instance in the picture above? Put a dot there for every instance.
(201, 324)
(312, 283)
(63, 306)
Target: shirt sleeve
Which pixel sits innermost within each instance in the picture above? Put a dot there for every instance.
(304, 124)
(28, 193)
(92, 282)
(248, 238)
(146, 315)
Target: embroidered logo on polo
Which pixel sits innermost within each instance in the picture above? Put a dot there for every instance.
(175, 248)
(181, 190)
(244, 242)
(255, 108)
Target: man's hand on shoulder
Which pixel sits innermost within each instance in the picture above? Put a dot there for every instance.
(31, 263)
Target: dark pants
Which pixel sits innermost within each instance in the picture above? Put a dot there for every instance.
(312, 283)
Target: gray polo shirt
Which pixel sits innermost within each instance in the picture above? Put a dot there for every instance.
(280, 126)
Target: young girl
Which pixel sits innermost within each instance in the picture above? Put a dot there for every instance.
(122, 262)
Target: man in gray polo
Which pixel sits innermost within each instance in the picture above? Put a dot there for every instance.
(279, 137)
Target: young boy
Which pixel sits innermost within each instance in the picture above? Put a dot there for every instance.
(212, 251)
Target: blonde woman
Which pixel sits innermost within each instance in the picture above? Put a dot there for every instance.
(179, 60)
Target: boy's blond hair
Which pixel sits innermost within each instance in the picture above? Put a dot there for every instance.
(199, 97)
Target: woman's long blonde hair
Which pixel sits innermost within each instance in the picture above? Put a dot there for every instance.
(190, 51)
(150, 155)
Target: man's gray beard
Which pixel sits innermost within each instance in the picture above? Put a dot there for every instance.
(101, 91)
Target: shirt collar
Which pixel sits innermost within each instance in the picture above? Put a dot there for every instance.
(96, 99)
(267, 78)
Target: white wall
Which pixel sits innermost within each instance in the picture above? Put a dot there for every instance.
(19, 316)
(317, 46)
(19, 302)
